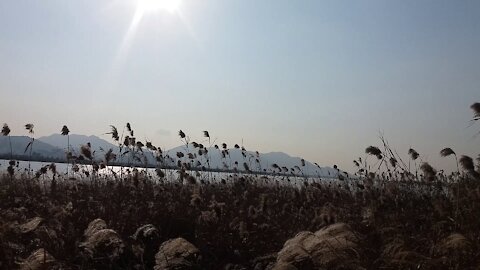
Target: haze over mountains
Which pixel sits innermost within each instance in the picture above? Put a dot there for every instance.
(19, 143)
(55, 145)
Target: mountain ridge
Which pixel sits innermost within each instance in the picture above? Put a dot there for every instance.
(55, 145)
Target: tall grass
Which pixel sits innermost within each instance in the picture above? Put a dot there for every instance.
(65, 132)
(385, 218)
(29, 128)
(6, 132)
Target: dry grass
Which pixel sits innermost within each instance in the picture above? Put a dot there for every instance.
(404, 224)
(388, 218)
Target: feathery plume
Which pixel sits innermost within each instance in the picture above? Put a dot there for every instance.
(476, 110)
(109, 156)
(150, 146)
(132, 141)
(114, 133)
(140, 145)
(447, 152)
(29, 127)
(467, 163)
(393, 162)
(181, 134)
(86, 151)
(53, 168)
(129, 128)
(428, 171)
(65, 130)
(413, 154)
(5, 130)
(375, 151)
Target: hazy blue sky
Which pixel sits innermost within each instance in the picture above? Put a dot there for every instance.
(317, 79)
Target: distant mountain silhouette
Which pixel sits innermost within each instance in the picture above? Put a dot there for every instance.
(55, 145)
(76, 141)
(217, 161)
(19, 143)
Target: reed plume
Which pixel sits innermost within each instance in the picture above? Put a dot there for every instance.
(114, 133)
(476, 110)
(428, 171)
(207, 135)
(65, 130)
(447, 152)
(129, 129)
(413, 154)
(132, 141)
(53, 168)
(467, 163)
(29, 127)
(478, 162)
(126, 141)
(6, 132)
(245, 166)
(109, 156)
(275, 166)
(139, 145)
(86, 151)
(374, 151)
(393, 162)
(150, 146)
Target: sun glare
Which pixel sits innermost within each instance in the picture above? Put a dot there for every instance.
(158, 5)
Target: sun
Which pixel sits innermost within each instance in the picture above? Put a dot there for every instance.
(171, 6)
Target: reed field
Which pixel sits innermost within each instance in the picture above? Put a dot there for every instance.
(392, 213)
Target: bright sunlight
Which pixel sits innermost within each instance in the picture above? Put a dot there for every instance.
(158, 5)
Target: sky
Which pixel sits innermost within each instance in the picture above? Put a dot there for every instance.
(315, 79)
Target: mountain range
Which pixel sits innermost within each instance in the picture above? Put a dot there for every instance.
(55, 146)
